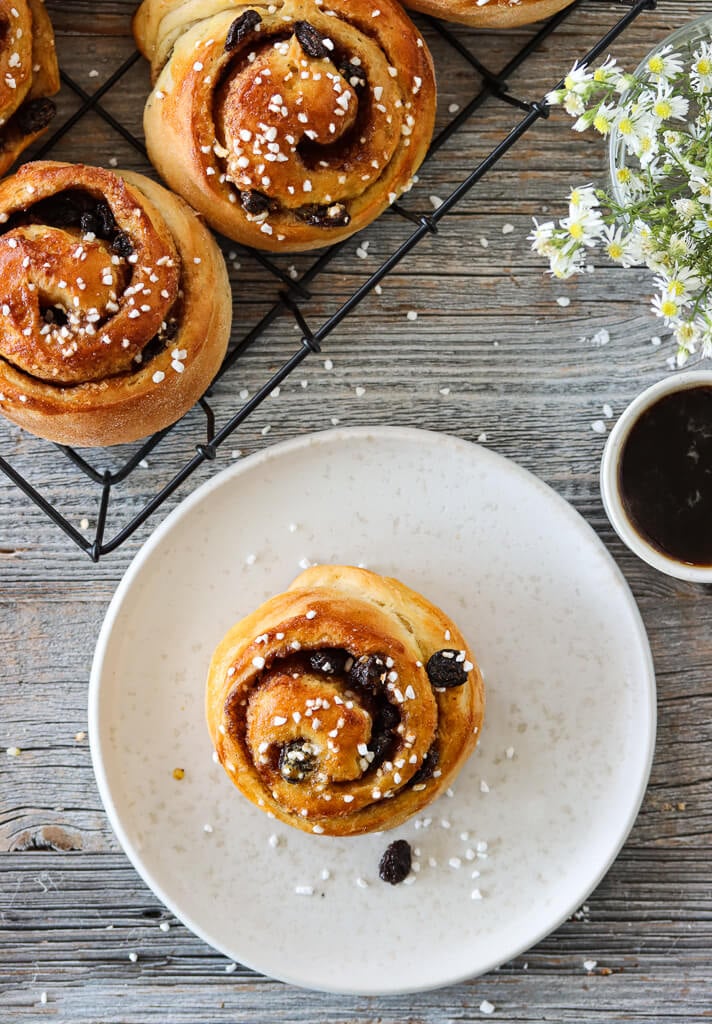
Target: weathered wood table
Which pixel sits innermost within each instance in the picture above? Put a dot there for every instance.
(492, 354)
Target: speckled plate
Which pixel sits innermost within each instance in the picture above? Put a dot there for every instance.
(537, 815)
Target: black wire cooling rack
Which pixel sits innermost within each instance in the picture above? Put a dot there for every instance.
(293, 295)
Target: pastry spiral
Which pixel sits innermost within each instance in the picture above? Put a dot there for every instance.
(345, 704)
(289, 125)
(29, 75)
(489, 13)
(115, 305)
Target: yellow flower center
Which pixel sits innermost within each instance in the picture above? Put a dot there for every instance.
(576, 231)
(625, 126)
(668, 307)
(676, 288)
(703, 66)
(602, 124)
(616, 251)
(663, 109)
(656, 65)
(623, 174)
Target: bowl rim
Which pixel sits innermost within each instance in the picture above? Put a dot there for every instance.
(610, 490)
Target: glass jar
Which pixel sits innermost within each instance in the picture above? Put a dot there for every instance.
(683, 40)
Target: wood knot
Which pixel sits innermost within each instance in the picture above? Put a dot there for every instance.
(49, 837)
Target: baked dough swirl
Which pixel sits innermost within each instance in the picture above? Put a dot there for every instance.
(344, 705)
(29, 75)
(115, 305)
(289, 125)
(490, 13)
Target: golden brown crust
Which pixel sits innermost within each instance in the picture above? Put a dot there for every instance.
(29, 74)
(108, 337)
(491, 13)
(286, 138)
(263, 693)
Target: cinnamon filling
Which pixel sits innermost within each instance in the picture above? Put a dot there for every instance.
(57, 317)
(349, 694)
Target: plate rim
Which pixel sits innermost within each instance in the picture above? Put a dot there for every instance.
(246, 465)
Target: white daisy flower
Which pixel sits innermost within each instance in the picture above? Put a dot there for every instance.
(617, 245)
(605, 118)
(688, 334)
(578, 79)
(687, 209)
(701, 71)
(668, 105)
(574, 105)
(606, 72)
(565, 263)
(679, 284)
(541, 237)
(701, 186)
(665, 64)
(667, 308)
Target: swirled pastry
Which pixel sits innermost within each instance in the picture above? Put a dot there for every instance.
(29, 75)
(115, 304)
(289, 125)
(490, 13)
(345, 704)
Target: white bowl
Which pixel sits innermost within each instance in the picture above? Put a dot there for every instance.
(610, 490)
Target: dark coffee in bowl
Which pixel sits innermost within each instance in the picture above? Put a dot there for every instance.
(665, 475)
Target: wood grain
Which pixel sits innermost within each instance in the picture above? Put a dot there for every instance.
(521, 369)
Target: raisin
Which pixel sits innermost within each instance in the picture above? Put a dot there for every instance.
(122, 245)
(368, 672)
(430, 763)
(169, 329)
(334, 216)
(35, 115)
(331, 661)
(89, 224)
(354, 75)
(104, 217)
(55, 315)
(385, 720)
(255, 202)
(396, 862)
(310, 40)
(444, 669)
(240, 28)
(387, 716)
(379, 745)
(97, 219)
(296, 761)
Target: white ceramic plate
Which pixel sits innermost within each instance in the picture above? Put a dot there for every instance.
(540, 810)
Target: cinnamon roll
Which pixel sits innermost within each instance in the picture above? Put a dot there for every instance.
(345, 704)
(115, 304)
(29, 75)
(489, 13)
(288, 125)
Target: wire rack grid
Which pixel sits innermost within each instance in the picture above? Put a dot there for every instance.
(292, 293)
